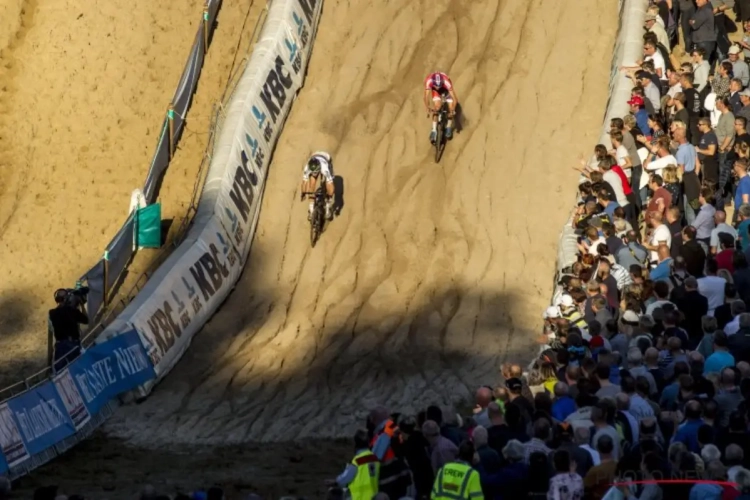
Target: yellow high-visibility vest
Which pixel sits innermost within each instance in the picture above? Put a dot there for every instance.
(365, 483)
(457, 481)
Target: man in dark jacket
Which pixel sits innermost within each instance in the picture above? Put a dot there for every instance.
(703, 29)
(64, 326)
(582, 457)
(693, 306)
(686, 11)
(692, 252)
(413, 448)
(739, 343)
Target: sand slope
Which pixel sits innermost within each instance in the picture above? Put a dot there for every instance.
(83, 90)
(433, 274)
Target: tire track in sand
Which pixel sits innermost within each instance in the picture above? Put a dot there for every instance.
(8, 71)
(433, 274)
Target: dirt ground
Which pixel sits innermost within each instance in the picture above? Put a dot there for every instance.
(431, 276)
(103, 468)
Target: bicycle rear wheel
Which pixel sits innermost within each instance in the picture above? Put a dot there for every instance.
(314, 227)
(439, 137)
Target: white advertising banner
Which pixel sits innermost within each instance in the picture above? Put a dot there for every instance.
(183, 296)
(11, 442)
(72, 399)
(191, 284)
(262, 102)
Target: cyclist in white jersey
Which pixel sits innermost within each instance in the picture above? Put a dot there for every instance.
(319, 163)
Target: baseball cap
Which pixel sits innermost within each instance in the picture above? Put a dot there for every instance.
(734, 49)
(636, 100)
(745, 92)
(514, 384)
(551, 312)
(640, 75)
(630, 317)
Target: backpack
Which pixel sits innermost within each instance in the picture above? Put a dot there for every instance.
(643, 262)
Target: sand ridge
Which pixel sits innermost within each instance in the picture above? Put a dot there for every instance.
(433, 274)
(84, 86)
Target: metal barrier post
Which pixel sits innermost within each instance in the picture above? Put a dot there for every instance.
(50, 346)
(170, 119)
(105, 292)
(205, 28)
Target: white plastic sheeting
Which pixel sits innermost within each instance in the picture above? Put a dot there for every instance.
(191, 284)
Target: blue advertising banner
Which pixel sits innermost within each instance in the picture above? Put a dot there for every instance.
(3, 464)
(14, 451)
(109, 369)
(41, 417)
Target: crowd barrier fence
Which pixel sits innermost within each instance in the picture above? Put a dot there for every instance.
(147, 338)
(51, 417)
(103, 277)
(627, 50)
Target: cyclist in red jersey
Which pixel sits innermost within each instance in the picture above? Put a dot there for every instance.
(436, 86)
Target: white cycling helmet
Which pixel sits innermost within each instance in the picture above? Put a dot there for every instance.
(438, 79)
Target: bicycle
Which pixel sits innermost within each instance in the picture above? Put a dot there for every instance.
(442, 121)
(318, 217)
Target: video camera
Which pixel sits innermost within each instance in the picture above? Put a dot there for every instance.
(74, 297)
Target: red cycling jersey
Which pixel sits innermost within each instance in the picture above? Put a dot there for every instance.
(430, 82)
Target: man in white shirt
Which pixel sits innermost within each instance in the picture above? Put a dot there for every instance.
(712, 286)
(701, 68)
(720, 217)
(661, 235)
(621, 153)
(673, 77)
(659, 158)
(614, 180)
(651, 53)
(653, 25)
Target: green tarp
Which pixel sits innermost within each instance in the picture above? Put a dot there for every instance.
(148, 226)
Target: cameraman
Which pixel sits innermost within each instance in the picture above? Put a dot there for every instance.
(64, 321)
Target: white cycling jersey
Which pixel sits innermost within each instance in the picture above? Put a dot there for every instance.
(326, 168)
